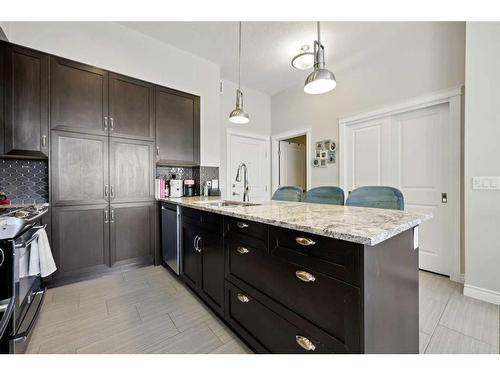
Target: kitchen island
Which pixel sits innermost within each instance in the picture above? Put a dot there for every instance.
(291, 277)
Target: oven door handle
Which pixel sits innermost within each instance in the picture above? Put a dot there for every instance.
(7, 309)
(32, 238)
(23, 336)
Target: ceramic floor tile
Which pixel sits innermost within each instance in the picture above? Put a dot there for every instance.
(232, 347)
(473, 318)
(436, 286)
(448, 341)
(424, 339)
(430, 313)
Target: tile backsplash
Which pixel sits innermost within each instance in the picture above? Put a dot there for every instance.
(25, 181)
(198, 174)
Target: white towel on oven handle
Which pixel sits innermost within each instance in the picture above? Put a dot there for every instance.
(41, 259)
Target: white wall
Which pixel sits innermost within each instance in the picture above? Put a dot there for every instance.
(114, 47)
(257, 105)
(482, 158)
(432, 60)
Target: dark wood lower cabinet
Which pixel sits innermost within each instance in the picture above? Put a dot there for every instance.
(285, 291)
(132, 231)
(80, 240)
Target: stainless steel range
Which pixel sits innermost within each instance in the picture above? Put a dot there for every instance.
(21, 295)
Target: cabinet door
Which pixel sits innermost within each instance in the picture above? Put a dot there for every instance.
(212, 270)
(191, 259)
(79, 169)
(26, 102)
(79, 97)
(132, 233)
(80, 239)
(131, 108)
(131, 170)
(177, 128)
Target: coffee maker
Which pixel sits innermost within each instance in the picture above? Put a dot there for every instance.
(176, 188)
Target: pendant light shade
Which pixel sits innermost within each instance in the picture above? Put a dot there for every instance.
(321, 80)
(238, 115)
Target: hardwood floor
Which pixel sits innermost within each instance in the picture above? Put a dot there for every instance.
(149, 310)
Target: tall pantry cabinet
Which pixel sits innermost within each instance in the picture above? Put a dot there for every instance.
(102, 169)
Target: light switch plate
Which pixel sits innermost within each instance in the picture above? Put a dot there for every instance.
(486, 183)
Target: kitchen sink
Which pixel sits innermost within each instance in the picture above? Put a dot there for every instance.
(229, 204)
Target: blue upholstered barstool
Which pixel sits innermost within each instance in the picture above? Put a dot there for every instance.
(325, 195)
(288, 193)
(376, 197)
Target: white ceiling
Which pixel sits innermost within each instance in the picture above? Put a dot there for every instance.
(268, 47)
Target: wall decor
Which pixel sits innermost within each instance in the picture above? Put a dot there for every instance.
(324, 153)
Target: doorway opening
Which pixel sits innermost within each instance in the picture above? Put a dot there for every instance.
(291, 159)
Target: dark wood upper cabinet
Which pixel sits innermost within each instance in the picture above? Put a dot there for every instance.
(79, 97)
(131, 170)
(79, 169)
(132, 233)
(26, 100)
(177, 128)
(131, 108)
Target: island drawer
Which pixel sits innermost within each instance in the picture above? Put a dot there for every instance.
(269, 330)
(243, 228)
(330, 256)
(331, 304)
(209, 220)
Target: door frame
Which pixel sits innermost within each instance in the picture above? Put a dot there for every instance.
(275, 161)
(452, 97)
(244, 134)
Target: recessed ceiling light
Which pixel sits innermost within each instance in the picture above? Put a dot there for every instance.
(304, 60)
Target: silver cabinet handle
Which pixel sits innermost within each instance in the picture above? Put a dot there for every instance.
(106, 217)
(157, 151)
(242, 250)
(44, 141)
(305, 343)
(305, 276)
(198, 247)
(304, 241)
(2, 256)
(105, 124)
(111, 123)
(243, 298)
(105, 191)
(241, 225)
(111, 192)
(112, 216)
(194, 243)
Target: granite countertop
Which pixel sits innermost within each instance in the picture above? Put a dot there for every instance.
(367, 226)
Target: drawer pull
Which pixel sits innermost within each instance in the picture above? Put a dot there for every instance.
(242, 250)
(241, 225)
(304, 241)
(305, 343)
(243, 298)
(305, 276)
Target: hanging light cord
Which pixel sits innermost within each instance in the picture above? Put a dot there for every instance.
(239, 58)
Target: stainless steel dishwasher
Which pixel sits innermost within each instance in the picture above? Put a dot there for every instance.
(170, 229)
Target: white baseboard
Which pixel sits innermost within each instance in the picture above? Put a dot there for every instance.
(482, 294)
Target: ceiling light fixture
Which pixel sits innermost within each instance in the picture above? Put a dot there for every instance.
(304, 60)
(238, 115)
(321, 80)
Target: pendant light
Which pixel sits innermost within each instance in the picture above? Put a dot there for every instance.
(238, 115)
(321, 80)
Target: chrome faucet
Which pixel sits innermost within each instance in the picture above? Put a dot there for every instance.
(245, 180)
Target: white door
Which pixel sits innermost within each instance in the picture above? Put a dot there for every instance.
(292, 164)
(254, 153)
(410, 152)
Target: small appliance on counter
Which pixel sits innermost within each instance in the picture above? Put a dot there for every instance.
(176, 188)
(3, 199)
(188, 188)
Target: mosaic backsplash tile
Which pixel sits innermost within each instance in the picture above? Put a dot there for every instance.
(198, 174)
(25, 181)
